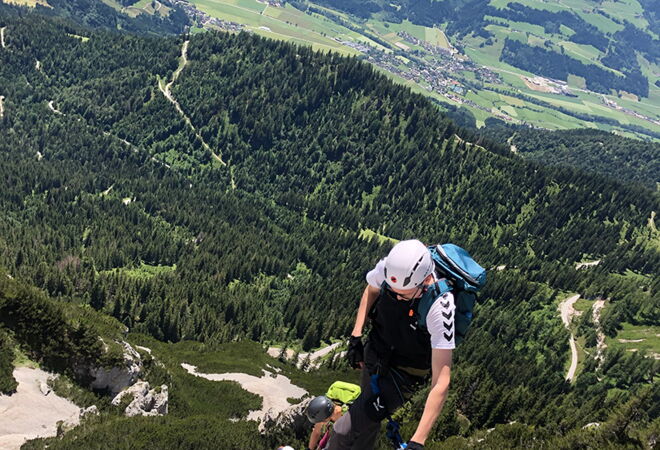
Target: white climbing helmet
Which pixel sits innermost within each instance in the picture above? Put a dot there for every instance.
(408, 264)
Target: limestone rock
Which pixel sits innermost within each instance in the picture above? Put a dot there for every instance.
(292, 418)
(92, 410)
(146, 401)
(43, 387)
(114, 379)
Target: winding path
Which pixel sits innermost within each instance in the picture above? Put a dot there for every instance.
(567, 312)
(2, 37)
(167, 92)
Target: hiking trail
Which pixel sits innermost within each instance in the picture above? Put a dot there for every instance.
(167, 92)
(567, 312)
(2, 37)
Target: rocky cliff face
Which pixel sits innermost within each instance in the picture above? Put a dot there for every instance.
(293, 418)
(114, 379)
(146, 401)
(123, 380)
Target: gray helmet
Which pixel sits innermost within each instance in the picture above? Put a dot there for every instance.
(319, 409)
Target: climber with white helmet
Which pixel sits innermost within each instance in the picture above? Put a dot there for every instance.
(399, 353)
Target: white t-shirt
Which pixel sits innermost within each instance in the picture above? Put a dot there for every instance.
(440, 318)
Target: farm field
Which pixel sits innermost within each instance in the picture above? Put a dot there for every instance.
(324, 34)
(30, 3)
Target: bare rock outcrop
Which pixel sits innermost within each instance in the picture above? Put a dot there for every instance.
(91, 411)
(145, 401)
(114, 379)
(292, 418)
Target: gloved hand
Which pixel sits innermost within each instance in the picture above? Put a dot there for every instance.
(412, 445)
(355, 352)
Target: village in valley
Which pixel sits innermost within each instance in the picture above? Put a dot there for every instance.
(422, 56)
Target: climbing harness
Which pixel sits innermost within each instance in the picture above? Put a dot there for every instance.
(392, 429)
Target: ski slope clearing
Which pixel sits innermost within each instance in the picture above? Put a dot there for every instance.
(274, 389)
(33, 410)
(2, 37)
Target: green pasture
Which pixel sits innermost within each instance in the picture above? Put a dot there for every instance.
(566, 31)
(647, 335)
(437, 37)
(28, 3)
(553, 6)
(629, 10)
(368, 234)
(286, 23)
(291, 15)
(601, 22)
(535, 40)
(585, 53)
(111, 3)
(576, 81)
(583, 304)
(277, 32)
(144, 271)
(389, 30)
(520, 26)
(512, 100)
(227, 11)
(500, 4)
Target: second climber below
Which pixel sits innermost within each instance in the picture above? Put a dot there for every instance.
(398, 350)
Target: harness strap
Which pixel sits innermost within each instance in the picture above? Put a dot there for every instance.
(392, 429)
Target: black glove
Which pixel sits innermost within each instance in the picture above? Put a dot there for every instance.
(355, 353)
(412, 445)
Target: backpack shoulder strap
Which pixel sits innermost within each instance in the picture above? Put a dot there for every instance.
(434, 292)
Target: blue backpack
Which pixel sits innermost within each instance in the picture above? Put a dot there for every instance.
(464, 277)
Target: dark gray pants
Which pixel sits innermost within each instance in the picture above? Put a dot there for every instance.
(355, 430)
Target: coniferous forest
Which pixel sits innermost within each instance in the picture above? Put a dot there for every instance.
(252, 210)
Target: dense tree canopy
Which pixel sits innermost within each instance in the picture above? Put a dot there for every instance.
(112, 198)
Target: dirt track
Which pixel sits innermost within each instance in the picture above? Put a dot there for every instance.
(567, 312)
(167, 92)
(29, 413)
